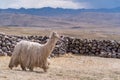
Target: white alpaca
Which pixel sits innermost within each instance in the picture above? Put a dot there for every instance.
(31, 54)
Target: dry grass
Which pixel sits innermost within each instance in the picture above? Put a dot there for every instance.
(89, 33)
(66, 68)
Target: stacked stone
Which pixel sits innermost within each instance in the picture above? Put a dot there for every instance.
(102, 48)
(7, 44)
(61, 47)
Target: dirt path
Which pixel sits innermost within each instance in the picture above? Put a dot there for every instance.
(66, 68)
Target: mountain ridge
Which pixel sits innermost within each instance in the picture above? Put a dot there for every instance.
(48, 11)
(60, 18)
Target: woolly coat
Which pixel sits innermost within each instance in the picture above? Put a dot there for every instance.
(31, 54)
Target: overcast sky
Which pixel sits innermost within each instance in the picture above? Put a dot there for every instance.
(74, 4)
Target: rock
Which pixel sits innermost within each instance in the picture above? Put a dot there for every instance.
(103, 54)
(75, 51)
(9, 53)
(109, 55)
(114, 55)
(1, 51)
(4, 49)
(3, 44)
(2, 54)
(0, 42)
(118, 55)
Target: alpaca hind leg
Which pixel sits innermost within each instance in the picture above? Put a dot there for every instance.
(11, 65)
(31, 68)
(16, 63)
(23, 67)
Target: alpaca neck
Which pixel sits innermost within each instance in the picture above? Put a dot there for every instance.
(50, 46)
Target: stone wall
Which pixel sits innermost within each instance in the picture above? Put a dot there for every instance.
(102, 48)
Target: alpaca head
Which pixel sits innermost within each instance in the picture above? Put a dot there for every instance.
(54, 35)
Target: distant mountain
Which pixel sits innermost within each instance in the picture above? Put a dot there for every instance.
(47, 11)
(60, 18)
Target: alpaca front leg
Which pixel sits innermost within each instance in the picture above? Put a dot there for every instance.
(48, 61)
(45, 67)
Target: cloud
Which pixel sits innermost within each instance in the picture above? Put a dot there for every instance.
(42, 3)
(100, 3)
(74, 4)
(49, 3)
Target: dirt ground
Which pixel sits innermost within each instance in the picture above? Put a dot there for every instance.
(69, 67)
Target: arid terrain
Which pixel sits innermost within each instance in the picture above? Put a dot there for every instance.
(67, 67)
(111, 33)
(70, 67)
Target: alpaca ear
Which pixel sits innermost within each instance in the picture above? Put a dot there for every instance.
(54, 33)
